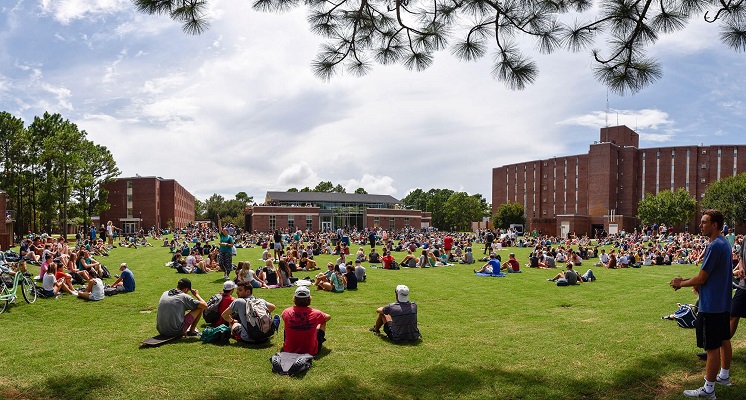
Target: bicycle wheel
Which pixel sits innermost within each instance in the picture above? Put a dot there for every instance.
(3, 303)
(29, 289)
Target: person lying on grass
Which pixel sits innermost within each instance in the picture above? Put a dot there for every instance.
(573, 277)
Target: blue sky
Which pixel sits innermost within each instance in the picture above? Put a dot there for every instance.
(238, 108)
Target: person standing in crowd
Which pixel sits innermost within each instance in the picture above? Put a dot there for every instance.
(225, 256)
(713, 320)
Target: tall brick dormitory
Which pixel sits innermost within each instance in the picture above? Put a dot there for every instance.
(601, 189)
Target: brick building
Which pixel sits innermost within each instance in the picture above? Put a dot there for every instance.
(601, 189)
(321, 211)
(146, 201)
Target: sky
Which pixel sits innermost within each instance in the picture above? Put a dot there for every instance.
(239, 109)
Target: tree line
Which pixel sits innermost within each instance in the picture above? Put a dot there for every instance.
(451, 210)
(52, 173)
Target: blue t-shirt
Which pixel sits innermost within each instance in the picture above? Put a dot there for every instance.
(128, 280)
(715, 295)
(495, 264)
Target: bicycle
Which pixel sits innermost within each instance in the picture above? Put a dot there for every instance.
(8, 294)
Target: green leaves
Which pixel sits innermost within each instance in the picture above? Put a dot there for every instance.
(667, 207)
(727, 195)
(359, 32)
(509, 213)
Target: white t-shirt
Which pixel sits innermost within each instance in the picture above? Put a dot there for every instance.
(48, 282)
(97, 291)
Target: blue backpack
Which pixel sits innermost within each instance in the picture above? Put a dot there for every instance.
(686, 315)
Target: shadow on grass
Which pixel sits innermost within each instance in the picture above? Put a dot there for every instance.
(657, 376)
(79, 387)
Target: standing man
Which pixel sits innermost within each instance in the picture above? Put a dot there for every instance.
(399, 319)
(448, 245)
(225, 256)
(305, 327)
(489, 237)
(178, 312)
(713, 320)
(372, 239)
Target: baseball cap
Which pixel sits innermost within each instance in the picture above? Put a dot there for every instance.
(302, 292)
(402, 293)
(229, 285)
(123, 265)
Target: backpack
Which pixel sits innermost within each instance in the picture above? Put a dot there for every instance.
(290, 363)
(394, 265)
(686, 315)
(106, 273)
(258, 321)
(215, 334)
(562, 282)
(211, 314)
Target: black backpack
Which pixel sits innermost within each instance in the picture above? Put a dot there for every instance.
(211, 314)
(291, 363)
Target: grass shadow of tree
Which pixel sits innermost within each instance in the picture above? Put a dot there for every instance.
(80, 387)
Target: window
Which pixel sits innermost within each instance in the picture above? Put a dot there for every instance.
(129, 198)
(391, 224)
(129, 184)
(291, 221)
(309, 222)
(376, 221)
(129, 212)
(406, 221)
(272, 222)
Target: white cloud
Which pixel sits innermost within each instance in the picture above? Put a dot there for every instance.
(372, 184)
(298, 175)
(65, 11)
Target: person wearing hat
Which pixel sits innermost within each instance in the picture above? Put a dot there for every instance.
(237, 308)
(225, 302)
(125, 280)
(178, 312)
(399, 319)
(305, 327)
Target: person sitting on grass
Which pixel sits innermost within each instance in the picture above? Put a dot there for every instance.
(468, 257)
(512, 265)
(178, 312)
(306, 263)
(360, 272)
(240, 326)
(51, 286)
(350, 278)
(572, 276)
(399, 319)
(409, 261)
(491, 267)
(125, 280)
(386, 260)
(225, 301)
(336, 281)
(94, 291)
(373, 257)
(305, 327)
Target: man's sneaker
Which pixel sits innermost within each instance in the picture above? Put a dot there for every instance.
(702, 356)
(375, 331)
(724, 382)
(550, 279)
(193, 333)
(700, 393)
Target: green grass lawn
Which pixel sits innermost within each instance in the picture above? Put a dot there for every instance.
(518, 337)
